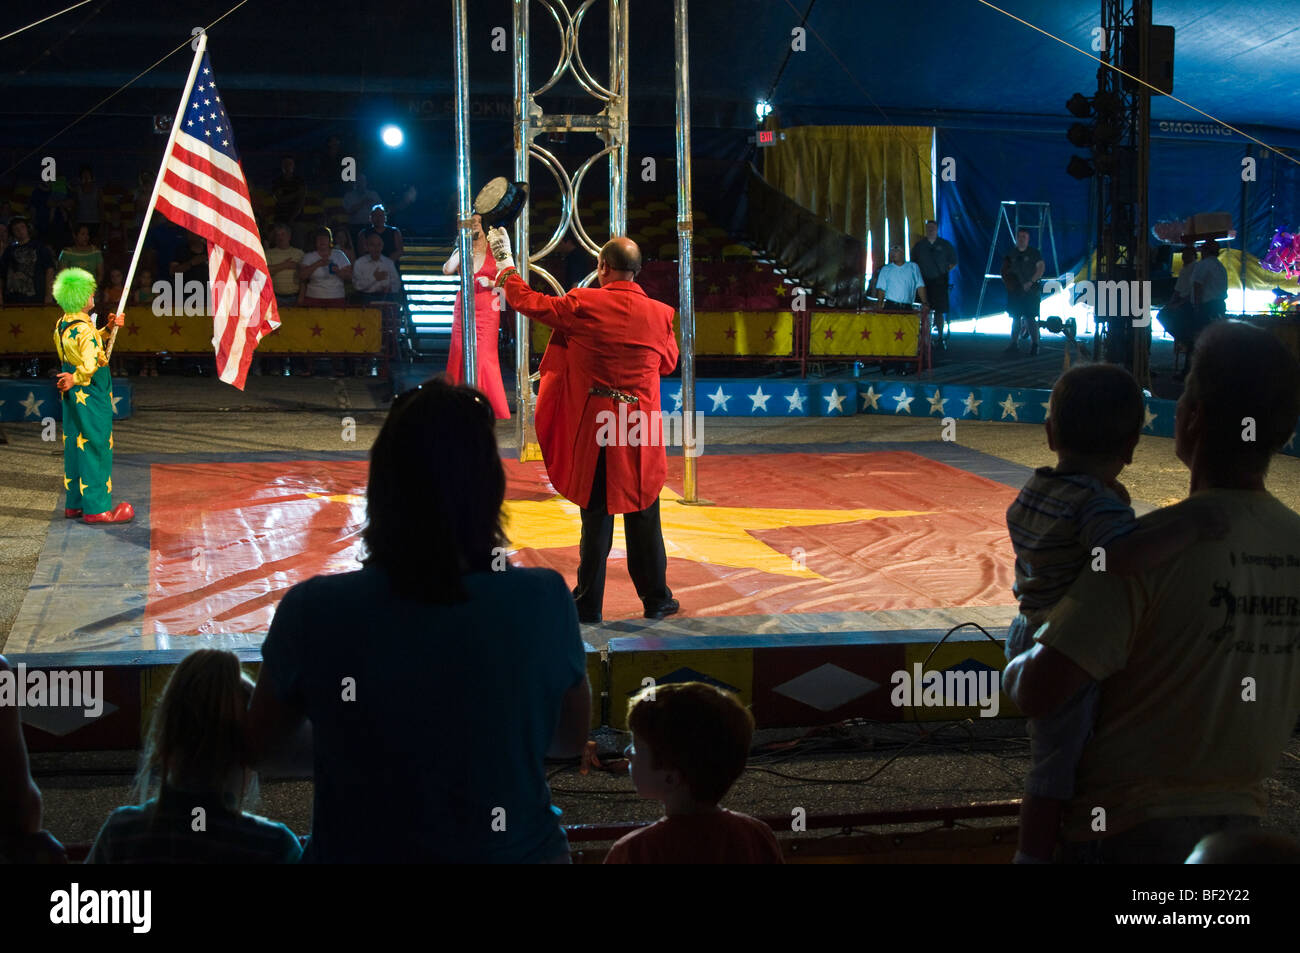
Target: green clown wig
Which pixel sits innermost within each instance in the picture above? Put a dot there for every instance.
(73, 289)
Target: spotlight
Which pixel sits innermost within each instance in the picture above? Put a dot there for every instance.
(392, 136)
(762, 109)
(1080, 136)
(1079, 106)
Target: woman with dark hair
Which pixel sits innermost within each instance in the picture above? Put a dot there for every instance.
(487, 324)
(438, 678)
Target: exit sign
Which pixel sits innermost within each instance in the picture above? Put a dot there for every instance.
(766, 137)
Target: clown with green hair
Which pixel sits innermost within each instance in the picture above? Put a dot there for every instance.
(87, 390)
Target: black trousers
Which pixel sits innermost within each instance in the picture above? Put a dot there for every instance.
(647, 563)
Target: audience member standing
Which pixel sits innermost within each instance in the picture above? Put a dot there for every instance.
(374, 275)
(392, 236)
(26, 268)
(82, 254)
(392, 664)
(282, 260)
(1200, 683)
(324, 269)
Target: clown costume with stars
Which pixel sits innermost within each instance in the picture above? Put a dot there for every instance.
(87, 390)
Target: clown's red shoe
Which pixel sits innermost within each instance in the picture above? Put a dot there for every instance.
(122, 513)
(71, 514)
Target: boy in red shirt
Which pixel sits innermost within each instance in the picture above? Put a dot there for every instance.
(690, 742)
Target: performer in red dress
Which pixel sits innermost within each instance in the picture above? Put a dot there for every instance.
(609, 348)
(487, 324)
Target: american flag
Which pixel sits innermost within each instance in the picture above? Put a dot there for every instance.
(203, 189)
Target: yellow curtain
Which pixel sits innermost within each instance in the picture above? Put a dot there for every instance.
(858, 178)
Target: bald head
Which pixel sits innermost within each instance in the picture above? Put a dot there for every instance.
(620, 260)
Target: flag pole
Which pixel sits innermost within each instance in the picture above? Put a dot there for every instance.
(153, 199)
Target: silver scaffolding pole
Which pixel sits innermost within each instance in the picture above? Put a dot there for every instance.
(525, 432)
(610, 124)
(466, 245)
(686, 310)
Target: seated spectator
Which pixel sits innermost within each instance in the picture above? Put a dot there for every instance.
(282, 260)
(1060, 520)
(403, 774)
(195, 758)
(392, 237)
(26, 268)
(374, 275)
(323, 272)
(21, 839)
(1196, 699)
(82, 254)
(690, 742)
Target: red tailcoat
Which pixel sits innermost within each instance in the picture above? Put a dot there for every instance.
(613, 337)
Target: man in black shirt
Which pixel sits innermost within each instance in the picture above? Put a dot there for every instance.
(1024, 266)
(26, 268)
(935, 257)
(392, 236)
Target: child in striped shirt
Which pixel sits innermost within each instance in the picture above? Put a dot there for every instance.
(1068, 519)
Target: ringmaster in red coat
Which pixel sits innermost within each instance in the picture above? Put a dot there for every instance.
(609, 347)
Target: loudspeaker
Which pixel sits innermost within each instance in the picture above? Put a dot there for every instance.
(1160, 58)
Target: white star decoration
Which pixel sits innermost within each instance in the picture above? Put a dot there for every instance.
(904, 402)
(937, 402)
(31, 406)
(870, 398)
(1009, 408)
(677, 399)
(835, 400)
(972, 405)
(719, 399)
(1047, 408)
(1150, 418)
(796, 400)
(116, 401)
(1290, 444)
(760, 399)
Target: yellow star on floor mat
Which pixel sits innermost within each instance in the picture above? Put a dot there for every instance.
(717, 535)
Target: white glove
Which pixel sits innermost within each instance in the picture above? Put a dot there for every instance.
(499, 241)
(483, 281)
